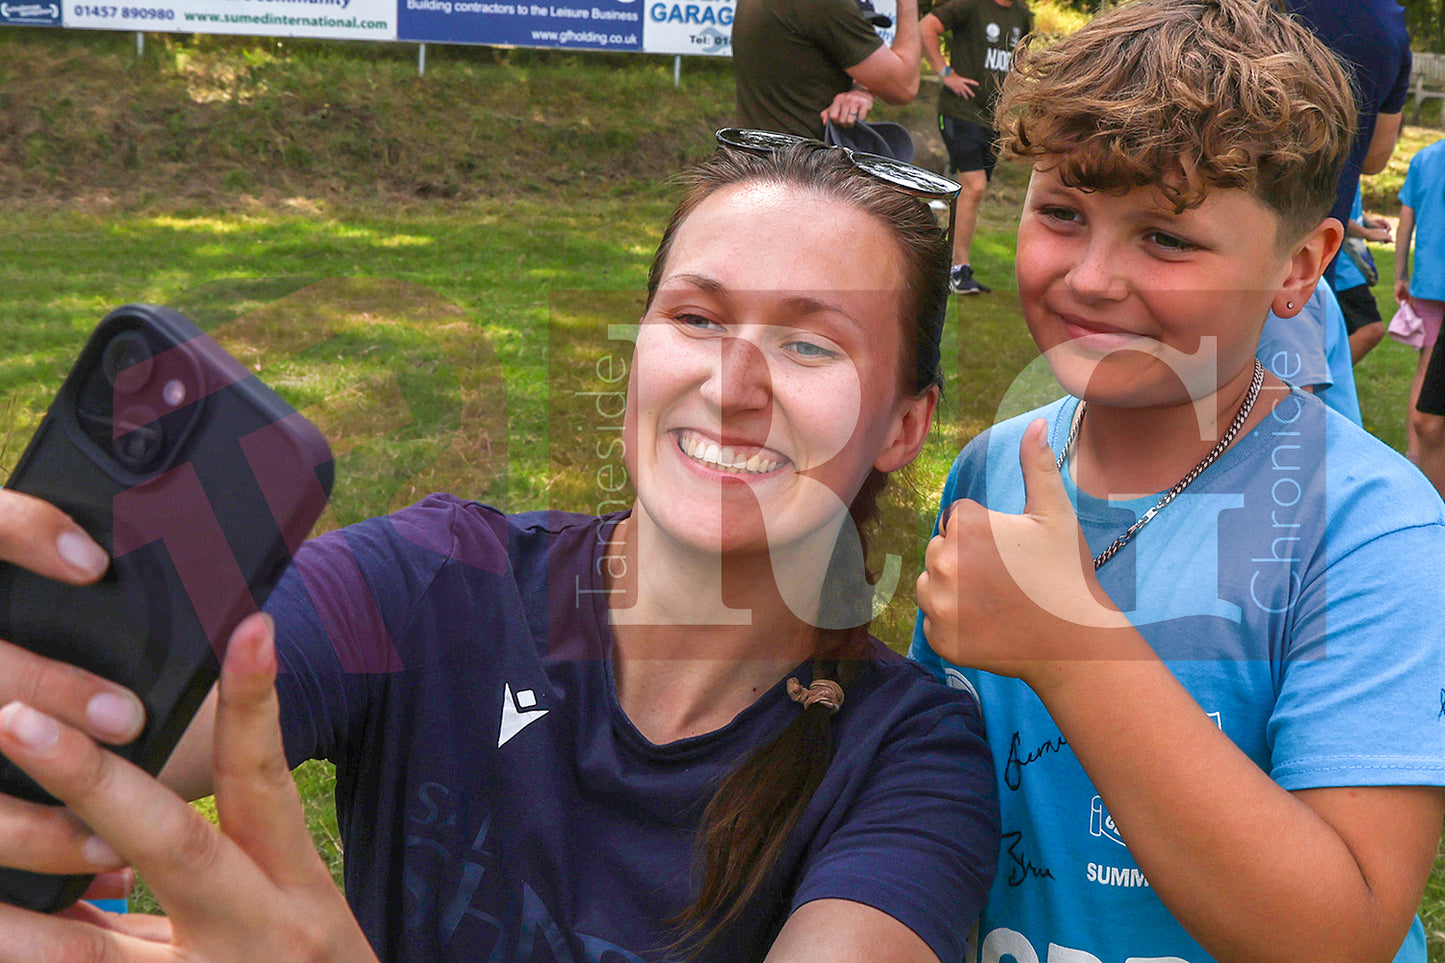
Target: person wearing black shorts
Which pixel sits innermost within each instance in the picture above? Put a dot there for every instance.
(1355, 272)
(1429, 420)
(982, 37)
(1362, 319)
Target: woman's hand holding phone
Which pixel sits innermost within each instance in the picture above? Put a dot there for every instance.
(252, 888)
(40, 537)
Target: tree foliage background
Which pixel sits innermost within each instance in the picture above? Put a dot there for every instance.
(1426, 19)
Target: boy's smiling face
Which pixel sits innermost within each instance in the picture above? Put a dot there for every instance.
(1123, 295)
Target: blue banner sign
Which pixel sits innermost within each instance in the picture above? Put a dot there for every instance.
(590, 24)
(32, 14)
(652, 26)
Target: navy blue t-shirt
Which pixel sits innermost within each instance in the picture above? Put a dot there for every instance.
(497, 804)
(1372, 41)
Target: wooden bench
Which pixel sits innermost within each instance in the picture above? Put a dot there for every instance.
(1427, 82)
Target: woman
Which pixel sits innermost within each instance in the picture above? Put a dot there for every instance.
(662, 734)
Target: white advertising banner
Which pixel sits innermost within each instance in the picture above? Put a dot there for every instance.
(706, 26)
(330, 19)
(688, 27)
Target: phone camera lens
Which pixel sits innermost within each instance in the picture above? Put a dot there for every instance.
(138, 438)
(127, 362)
(174, 393)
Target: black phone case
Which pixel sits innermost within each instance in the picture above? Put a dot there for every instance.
(200, 482)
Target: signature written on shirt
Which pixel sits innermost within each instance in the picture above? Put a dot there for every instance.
(1021, 869)
(1013, 769)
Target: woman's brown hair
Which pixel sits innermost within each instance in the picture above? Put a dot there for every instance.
(755, 808)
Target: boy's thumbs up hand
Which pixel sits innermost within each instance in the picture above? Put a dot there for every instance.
(1011, 593)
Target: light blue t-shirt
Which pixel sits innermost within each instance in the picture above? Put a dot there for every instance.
(1346, 274)
(1424, 191)
(1294, 591)
(1312, 350)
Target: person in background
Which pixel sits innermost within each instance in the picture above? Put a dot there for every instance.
(1429, 417)
(1356, 274)
(1201, 609)
(1421, 228)
(798, 64)
(1371, 40)
(982, 37)
(662, 733)
(1422, 221)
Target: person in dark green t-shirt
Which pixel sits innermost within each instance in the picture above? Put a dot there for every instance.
(799, 63)
(982, 37)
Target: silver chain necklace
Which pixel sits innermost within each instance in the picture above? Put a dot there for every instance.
(1240, 418)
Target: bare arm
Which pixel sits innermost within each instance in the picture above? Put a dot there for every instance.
(1404, 234)
(1373, 229)
(1382, 143)
(931, 29)
(841, 931)
(187, 772)
(892, 72)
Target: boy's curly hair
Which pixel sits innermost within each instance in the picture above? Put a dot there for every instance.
(1189, 96)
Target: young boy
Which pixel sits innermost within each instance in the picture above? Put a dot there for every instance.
(1222, 736)
(982, 36)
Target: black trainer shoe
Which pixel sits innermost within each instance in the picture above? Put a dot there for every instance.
(962, 281)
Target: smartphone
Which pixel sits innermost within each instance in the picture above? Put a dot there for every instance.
(200, 482)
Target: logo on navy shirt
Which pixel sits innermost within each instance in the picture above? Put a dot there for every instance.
(518, 712)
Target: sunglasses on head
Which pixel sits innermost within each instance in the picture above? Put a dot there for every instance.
(908, 178)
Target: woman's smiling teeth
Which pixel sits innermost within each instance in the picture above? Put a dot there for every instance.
(708, 452)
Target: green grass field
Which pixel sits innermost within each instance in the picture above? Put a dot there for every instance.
(428, 266)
